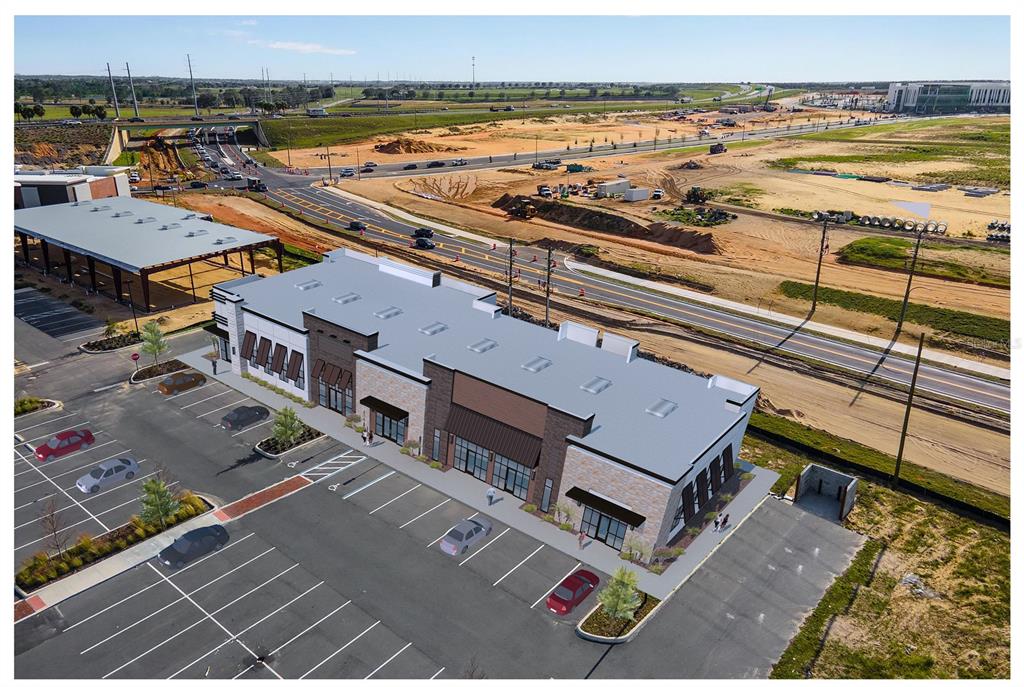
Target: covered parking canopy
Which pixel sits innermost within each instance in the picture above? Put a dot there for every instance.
(135, 236)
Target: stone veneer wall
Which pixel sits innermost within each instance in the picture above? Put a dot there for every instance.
(641, 494)
(393, 388)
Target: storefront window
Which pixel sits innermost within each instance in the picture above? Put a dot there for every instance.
(510, 476)
(437, 445)
(603, 528)
(338, 400)
(389, 428)
(471, 458)
(224, 349)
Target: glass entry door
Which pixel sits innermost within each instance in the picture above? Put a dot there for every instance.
(390, 428)
(511, 476)
(603, 528)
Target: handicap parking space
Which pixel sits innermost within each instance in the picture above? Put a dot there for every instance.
(54, 317)
(244, 611)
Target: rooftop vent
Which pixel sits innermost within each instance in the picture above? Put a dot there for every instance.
(483, 345)
(225, 239)
(190, 215)
(347, 298)
(172, 225)
(197, 232)
(432, 329)
(388, 312)
(126, 213)
(100, 208)
(307, 285)
(536, 364)
(596, 385)
(661, 408)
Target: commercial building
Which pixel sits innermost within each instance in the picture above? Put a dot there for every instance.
(943, 97)
(106, 240)
(568, 416)
(35, 188)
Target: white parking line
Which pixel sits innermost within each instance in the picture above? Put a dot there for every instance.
(208, 398)
(66, 472)
(234, 637)
(394, 499)
(177, 572)
(425, 513)
(71, 455)
(367, 486)
(470, 557)
(339, 650)
(183, 393)
(517, 566)
(80, 522)
(75, 503)
(211, 412)
(180, 598)
(61, 489)
(437, 673)
(393, 657)
(548, 592)
(22, 429)
(47, 436)
(475, 513)
(253, 427)
(248, 668)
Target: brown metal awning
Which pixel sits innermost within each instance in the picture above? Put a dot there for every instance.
(263, 352)
(610, 509)
(384, 408)
(346, 377)
(294, 365)
(331, 374)
(510, 442)
(277, 362)
(248, 342)
(318, 367)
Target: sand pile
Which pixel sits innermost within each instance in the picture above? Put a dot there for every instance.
(402, 145)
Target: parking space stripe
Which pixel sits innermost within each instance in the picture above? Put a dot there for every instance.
(393, 657)
(210, 412)
(66, 472)
(235, 636)
(395, 499)
(40, 424)
(47, 436)
(248, 668)
(450, 529)
(61, 489)
(517, 565)
(177, 572)
(72, 455)
(470, 557)
(94, 496)
(253, 427)
(183, 393)
(180, 598)
(339, 650)
(437, 673)
(367, 486)
(208, 398)
(548, 592)
(425, 513)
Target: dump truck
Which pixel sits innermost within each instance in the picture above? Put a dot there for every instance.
(254, 184)
(575, 167)
(717, 148)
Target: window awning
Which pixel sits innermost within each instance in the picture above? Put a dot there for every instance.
(263, 352)
(610, 509)
(510, 442)
(294, 365)
(318, 368)
(248, 342)
(277, 361)
(384, 408)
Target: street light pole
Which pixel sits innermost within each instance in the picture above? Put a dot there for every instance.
(821, 256)
(330, 172)
(910, 279)
(547, 293)
(510, 249)
(906, 415)
(131, 302)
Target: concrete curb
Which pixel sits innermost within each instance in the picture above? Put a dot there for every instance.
(132, 380)
(277, 456)
(55, 406)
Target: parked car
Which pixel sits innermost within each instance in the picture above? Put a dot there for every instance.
(423, 233)
(233, 117)
(426, 244)
(411, 166)
(63, 443)
(197, 119)
(193, 545)
(180, 381)
(356, 225)
(435, 163)
(108, 472)
(571, 592)
(243, 416)
(198, 184)
(136, 119)
(467, 533)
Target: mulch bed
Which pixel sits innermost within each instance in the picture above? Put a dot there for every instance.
(112, 343)
(42, 405)
(600, 624)
(273, 447)
(159, 370)
(262, 498)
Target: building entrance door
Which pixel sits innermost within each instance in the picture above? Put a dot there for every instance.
(390, 428)
(603, 528)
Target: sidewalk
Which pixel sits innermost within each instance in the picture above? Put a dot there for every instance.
(472, 492)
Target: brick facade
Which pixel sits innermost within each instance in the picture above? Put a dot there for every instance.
(336, 345)
(395, 389)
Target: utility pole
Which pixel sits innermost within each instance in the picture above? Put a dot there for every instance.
(195, 100)
(510, 249)
(473, 83)
(547, 293)
(821, 255)
(113, 91)
(135, 101)
(330, 172)
(906, 415)
(536, 150)
(906, 295)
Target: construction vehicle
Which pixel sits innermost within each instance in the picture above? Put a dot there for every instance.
(254, 184)
(575, 167)
(544, 165)
(522, 209)
(697, 195)
(717, 148)
(544, 191)
(658, 194)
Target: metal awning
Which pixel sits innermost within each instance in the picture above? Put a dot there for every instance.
(384, 408)
(248, 342)
(277, 361)
(263, 352)
(294, 365)
(510, 442)
(610, 509)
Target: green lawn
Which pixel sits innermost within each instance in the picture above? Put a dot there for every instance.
(895, 254)
(265, 158)
(62, 112)
(127, 158)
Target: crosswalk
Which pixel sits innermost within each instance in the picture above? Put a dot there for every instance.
(332, 466)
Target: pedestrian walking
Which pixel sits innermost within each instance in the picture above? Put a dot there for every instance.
(491, 493)
(214, 363)
(718, 523)
(365, 441)
(581, 538)
(725, 521)
(369, 438)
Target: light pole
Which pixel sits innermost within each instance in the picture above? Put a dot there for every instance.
(510, 251)
(547, 293)
(821, 255)
(906, 415)
(910, 279)
(330, 171)
(131, 302)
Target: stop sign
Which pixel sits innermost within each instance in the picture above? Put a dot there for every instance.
(135, 356)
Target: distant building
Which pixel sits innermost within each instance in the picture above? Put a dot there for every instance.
(316, 112)
(948, 97)
(49, 187)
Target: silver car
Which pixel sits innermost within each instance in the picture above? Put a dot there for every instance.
(467, 533)
(108, 472)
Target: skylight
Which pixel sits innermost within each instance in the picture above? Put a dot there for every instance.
(536, 364)
(432, 329)
(388, 312)
(307, 285)
(661, 408)
(596, 385)
(483, 345)
(347, 298)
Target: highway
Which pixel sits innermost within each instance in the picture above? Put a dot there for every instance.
(295, 192)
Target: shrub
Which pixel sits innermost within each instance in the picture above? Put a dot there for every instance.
(435, 464)
(747, 476)
(550, 518)
(708, 517)
(565, 527)
(63, 568)
(405, 450)
(619, 599)
(130, 538)
(726, 498)
(530, 508)
(422, 458)
(150, 530)
(139, 533)
(625, 555)
(171, 520)
(121, 543)
(85, 542)
(39, 578)
(76, 562)
(51, 574)
(359, 428)
(677, 551)
(656, 568)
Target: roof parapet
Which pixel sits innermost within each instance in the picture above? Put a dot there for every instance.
(577, 332)
(620, 345)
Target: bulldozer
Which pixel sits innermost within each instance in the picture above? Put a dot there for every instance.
(522, 209)
(697, 195)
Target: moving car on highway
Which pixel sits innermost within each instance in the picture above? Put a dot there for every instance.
(180, 381)
(435, 163)
(193, 545)
(411, 166)
(357, 225)
(467, 533)
(63, 443)
(423, 233)
(113, 471)
(243, 416)
(426, 244)
(571, 592)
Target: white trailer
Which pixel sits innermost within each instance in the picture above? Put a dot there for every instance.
(632, 195)
(610, 188)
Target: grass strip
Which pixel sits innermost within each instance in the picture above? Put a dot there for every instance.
(893, 253)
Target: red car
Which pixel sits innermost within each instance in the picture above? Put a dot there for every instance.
(63, 443)
(571, 592)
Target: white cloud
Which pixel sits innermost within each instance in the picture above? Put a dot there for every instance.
(309, 48)
(229, 33)
(248, 22)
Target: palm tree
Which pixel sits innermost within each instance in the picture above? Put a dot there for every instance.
(153, 341)
(287, 427)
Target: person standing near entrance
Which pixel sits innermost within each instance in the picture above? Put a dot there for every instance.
(581, 538)
(718, 523)
(491, 493)
(369, 438)
(725, 522)
(365, 436)
(214, 363)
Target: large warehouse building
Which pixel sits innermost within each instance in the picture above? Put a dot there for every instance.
(51, 187)
(567, 416)
(944, 97)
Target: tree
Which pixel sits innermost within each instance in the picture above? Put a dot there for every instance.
(75, 111)
(27, 113)
(99, 112)
(88, 110)
(39, 111)
(620, 599)
(287, 427)
(206, 100)
(112, 328)
(17, 108)
(52, 523)
(92, 101)
(153, 341)
(158, 502)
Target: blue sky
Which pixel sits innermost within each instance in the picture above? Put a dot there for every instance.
(682, 49)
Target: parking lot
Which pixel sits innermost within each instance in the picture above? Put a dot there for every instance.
(54, 317)
(247, 610)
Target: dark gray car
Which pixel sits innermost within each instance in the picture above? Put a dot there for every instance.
(467, 533)
(113, 471)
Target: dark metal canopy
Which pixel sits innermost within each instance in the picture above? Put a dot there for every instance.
(610, 509)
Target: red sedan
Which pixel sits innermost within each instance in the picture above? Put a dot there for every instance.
(571, 592)
(63, 443)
